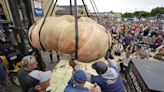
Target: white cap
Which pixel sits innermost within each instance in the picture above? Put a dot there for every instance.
(40, 75)
(26, 60)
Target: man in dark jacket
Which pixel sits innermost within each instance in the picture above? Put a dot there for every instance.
(27, 82)
(29, 77)
(108, 77)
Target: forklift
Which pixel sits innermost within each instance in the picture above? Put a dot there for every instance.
(10, 53)
(16, 32)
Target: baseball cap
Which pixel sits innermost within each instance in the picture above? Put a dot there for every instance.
(26, 60)
(99, 66)
(79, 76)
(40, 75)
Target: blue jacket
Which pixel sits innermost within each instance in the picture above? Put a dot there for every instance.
(71, 88)
(109, 85)
(110, 81)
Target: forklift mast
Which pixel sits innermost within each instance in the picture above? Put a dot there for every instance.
(22, 19)
(26, 13)
(22, 25)
(17, 24)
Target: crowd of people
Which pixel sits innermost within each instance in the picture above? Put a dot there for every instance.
(139, 38)
(130, 40)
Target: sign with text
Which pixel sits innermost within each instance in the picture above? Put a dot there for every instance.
(38, 11)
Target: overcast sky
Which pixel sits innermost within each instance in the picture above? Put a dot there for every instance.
(119, 5)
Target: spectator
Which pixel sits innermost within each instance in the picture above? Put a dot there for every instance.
(159, 40)
(147, 50)
(125, 61)
(127, 40)
(76, 83)
(108, 77)
(29, 77)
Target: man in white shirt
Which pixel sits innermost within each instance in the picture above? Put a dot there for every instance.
(125, 61)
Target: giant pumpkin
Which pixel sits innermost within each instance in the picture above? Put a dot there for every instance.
(58, 33)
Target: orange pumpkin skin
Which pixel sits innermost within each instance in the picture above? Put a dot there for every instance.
(58, 33)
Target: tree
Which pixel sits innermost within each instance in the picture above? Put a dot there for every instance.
(157, 11)
(140, 14)
(137, 13)
(145, 14)
(128, 15)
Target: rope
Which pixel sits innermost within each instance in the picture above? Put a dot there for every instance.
(85, 8)
(95, 12)
(53, 7)
(95, 7)
(93, 4)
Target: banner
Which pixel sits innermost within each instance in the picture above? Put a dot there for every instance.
(38, 11)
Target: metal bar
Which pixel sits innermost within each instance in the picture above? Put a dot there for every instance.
(29, 12)
(76, 30)
(15, 13)
(22, 7)
(17, 22)
(7, 10)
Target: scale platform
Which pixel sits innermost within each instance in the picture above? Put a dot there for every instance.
(145, 76)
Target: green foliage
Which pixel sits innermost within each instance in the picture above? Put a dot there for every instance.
(157, 11)
(140, 14)
(128, 15)
(154, 12)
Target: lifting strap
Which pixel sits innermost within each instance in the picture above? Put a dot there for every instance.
(53, 7)
(30, 39)
(76, 31)
(44, 22)
(85, 8)
(70, 7)
(76, 24)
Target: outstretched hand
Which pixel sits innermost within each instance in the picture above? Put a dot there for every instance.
(42, 86)
(72, 63)
(95, 88)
